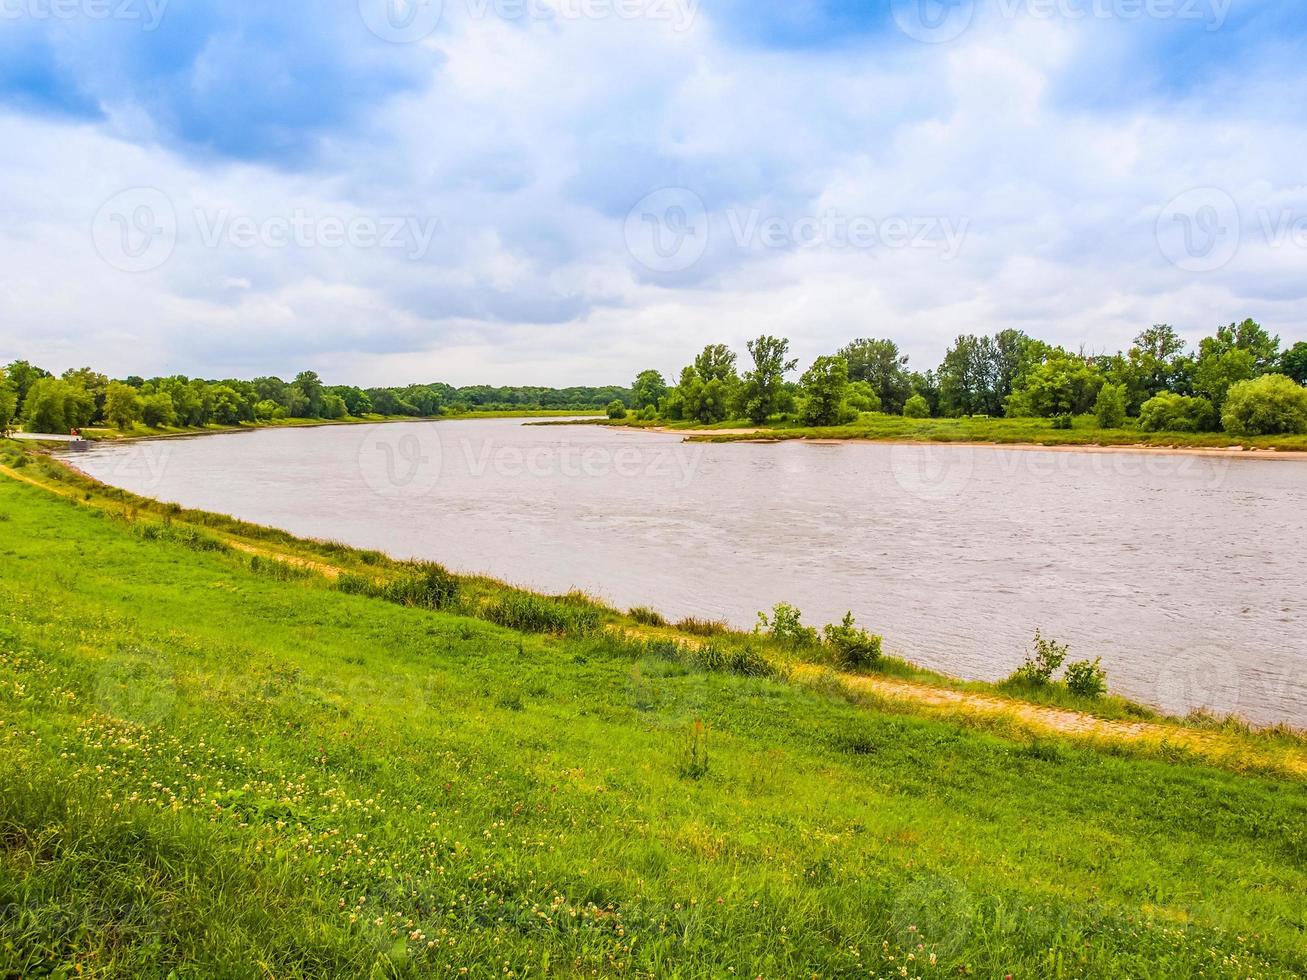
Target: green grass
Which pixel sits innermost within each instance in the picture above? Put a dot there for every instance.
(1040, 432)
(210, 770)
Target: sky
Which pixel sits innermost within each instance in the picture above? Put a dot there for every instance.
(570, 191)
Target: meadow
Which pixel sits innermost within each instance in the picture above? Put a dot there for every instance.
(226, 752)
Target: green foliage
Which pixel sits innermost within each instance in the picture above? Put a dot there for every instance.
(56, 406)
(157, 410)
(852, 648)
(692, 757)
(1169, 412)
(1293, 363)
(701, 627)
(761, 390)
(786, 626)
(1218, 371)
(863, 398)
(1086, 678)
(1110, 407)
(916, 407)
(530, 613)
(8, 404)
(1045, 661)
(1269, 405)
(122, 406)
(647, 617)
(1060, 384)
(649, 389)
(187, 537)
(616, 410)
(426, 586)
(824, 387)
(1063, 421)
(883, 369)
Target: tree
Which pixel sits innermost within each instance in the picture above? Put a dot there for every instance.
(8, 404)
(1169, 412)
(1110, 406)
(862, 397)
(22, 376)
(1248, 336)
(54, 405)
(961, 377)
(649, 389)
(309, 386)
(1062, 384)
(716, 362)
(122, 405)
(616, 410)
(1270, 405)
(157, 410)
(880, 364)
(916, 407)
(269, 410)
(927, 386)
(761, 394)
(824, 387)
(1218, 369)
(1154, 364)
(1293, 362)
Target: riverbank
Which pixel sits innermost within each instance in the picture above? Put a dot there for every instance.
(999, 433)
(223, 745)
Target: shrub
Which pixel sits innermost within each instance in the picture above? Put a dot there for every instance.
(744, 661)
(184, 536)
(1040, 668)
(1109, 409)
(1063, 420)
(850, 647)
(537, 614)
(649, 413)
(616, 410)
(701, 627)
(1169, 412)
(274, 568)
(434, 587)
(693, 755)
(647, 617)
(1270, 405)
(916, 407)
(786, 626)
(1086, 678)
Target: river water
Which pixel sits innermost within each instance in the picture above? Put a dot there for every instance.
(1186, 574)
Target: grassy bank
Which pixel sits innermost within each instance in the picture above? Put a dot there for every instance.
(1034, 432)
(225, 751)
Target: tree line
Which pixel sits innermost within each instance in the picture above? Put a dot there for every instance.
(82, 398)
(1239, 379)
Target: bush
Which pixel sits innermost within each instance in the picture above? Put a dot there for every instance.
(744, 661)
(537, 614)
(1048, 657)
(852, 648)
(1063, 420)
(1270, 405)
(1086, 678)
(1169, 412)
(649, 413)
(1110, 407)
(647, 617)
(786, 626)
(616, 410)
(701, 627)
(433, 588)
(916, 407)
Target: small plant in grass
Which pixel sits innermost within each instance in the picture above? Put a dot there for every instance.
(786, 626)
(647, 617)
(851, 648)
(1086, 678)
(693, 756)
(1040, 666)
(701, 627)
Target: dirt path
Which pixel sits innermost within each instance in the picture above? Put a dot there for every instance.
(1214, 746)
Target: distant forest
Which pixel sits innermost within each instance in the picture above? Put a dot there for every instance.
(83, 398)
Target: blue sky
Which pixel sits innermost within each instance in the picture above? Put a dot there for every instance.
(566, 191)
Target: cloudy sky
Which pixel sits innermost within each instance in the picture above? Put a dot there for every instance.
(567, 191)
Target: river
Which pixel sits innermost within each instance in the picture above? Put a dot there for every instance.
(1186, 574)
